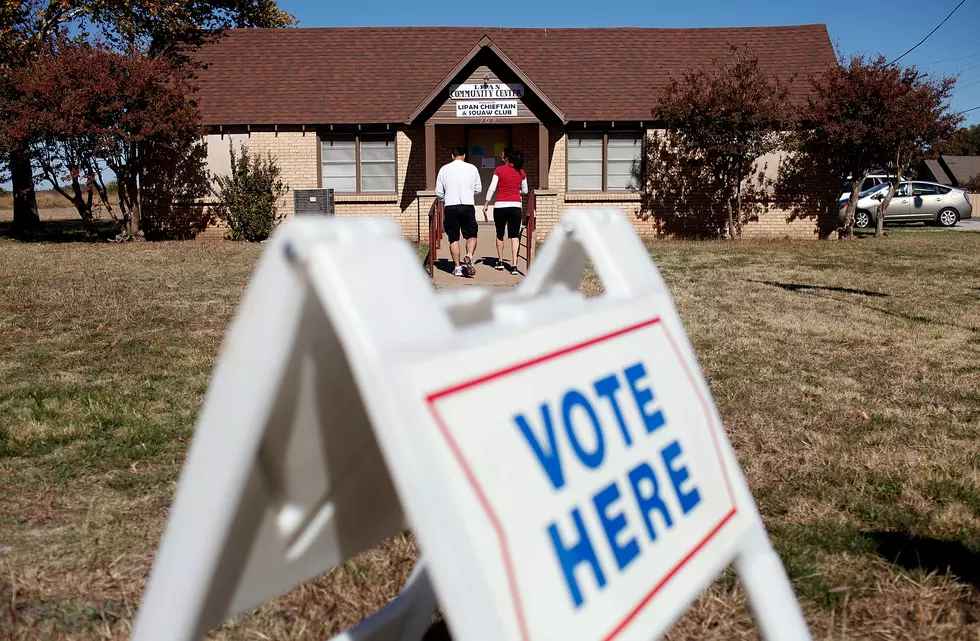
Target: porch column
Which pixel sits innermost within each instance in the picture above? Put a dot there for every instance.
(542, 156)
(430, 156)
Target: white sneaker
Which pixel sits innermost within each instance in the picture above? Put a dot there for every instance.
(458, 271)
(468, 265)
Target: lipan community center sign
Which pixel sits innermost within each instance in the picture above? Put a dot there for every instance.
(559, 459)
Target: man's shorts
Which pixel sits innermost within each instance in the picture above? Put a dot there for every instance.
(460, 218)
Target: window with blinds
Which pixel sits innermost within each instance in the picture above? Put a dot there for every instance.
(356, 164)
(377, 163)
(601, 161)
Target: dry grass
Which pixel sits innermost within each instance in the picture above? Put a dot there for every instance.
(856, 416)
(47, 199)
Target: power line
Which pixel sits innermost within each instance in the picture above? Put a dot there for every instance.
(967, 110)
(929, 34)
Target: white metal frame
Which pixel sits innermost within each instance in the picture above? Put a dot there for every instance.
(299, 458)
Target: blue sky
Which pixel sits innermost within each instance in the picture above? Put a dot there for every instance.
(854, 26)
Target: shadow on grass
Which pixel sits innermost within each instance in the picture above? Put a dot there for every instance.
(802, 287)
(64, 231)
(928, 554)
(816, 290)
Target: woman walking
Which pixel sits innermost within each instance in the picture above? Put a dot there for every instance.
(509, 183)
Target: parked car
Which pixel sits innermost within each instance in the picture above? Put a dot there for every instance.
(914, 201)
(873, 180)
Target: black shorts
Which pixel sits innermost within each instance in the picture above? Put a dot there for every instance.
(460, 218)
(508, 218)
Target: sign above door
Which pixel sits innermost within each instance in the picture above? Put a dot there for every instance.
(486, 90)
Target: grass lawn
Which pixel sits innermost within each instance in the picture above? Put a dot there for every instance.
(847, 373)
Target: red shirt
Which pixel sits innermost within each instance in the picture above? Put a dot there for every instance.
(509, 184)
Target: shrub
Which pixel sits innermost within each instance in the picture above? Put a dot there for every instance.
(248, 197)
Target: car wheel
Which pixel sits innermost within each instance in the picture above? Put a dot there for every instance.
(947, 217)
(862, 219)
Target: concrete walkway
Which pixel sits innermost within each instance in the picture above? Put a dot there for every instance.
(485, 258)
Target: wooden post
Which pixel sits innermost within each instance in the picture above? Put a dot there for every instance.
(430, 156)
(543, 166)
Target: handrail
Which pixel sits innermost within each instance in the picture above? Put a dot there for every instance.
(528, 233)
(436, 222)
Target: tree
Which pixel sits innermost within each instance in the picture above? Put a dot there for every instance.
(868, 114)
(26, 26)
(920, 118)
(719, 121)
(82, 108)
(169, 29)
(965, 141)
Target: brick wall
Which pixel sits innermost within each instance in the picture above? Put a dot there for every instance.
(294, 151)
(297, 154)
(403, 206)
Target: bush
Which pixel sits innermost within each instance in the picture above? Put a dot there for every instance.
(249, 196)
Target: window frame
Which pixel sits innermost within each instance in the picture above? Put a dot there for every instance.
(640, 135)
(356, 136)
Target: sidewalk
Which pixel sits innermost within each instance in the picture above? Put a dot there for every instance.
(485, 258)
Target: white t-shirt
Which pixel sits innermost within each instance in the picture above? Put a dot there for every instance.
(457, 182)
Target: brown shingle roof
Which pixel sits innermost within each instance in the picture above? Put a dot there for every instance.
(961, 168)
(376, 75)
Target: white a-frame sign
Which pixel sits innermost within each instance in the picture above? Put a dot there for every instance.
(560, 459)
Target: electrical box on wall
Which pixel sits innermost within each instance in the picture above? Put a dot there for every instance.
(313, 201)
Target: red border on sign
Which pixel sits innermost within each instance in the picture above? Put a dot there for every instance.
(485, 503)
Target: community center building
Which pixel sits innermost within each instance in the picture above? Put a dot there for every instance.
(374, 112)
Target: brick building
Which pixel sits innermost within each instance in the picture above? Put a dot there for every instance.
(374, 112)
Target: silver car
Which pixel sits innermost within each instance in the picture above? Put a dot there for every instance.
(914, 201)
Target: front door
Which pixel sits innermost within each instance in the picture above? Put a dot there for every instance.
(483, 147)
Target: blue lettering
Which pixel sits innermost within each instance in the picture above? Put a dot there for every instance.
(613, 526)
(643, 396)
(678, 474)
(607, 388)
(648, 501)
(571, 557)
(573, 399)
(549, 460)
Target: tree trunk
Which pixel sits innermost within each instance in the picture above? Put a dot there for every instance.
(887, 200)
(731, 221)
(880, 212)
(852, 206)
(133, 224)
(26, 218)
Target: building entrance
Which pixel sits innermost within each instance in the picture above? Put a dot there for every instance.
(483, 147)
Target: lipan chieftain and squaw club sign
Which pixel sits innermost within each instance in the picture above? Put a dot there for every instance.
(486, 100)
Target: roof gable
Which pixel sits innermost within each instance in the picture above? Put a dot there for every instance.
(382, 75)
(485, 53)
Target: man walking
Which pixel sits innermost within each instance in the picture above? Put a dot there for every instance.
(456, 184)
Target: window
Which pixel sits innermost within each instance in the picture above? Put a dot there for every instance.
(360, 163)
(599, 161)
(923, 189)
(903, 190)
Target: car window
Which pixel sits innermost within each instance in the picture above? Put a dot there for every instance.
(924, 189)
(869, 183)
(944, 190)
(876, 188)
(903, 190)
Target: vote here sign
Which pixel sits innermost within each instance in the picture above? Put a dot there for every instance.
(589, 467)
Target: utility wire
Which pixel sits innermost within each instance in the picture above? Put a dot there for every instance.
(930, 33)
(967, 110)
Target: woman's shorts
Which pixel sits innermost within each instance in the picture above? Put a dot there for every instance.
(508, 218)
